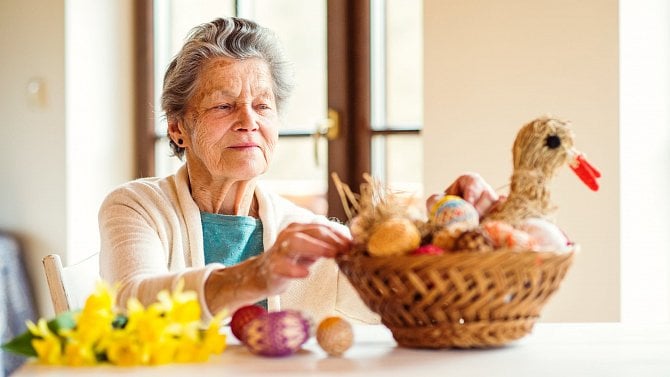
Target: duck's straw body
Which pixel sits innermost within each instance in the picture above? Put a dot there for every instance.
(540, 148)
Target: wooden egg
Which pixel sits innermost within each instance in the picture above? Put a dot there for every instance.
(276, 334)
(335, 335)
(243, 316)
(395, 236)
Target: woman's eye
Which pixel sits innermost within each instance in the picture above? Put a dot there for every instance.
(263, 106)
(223, 107)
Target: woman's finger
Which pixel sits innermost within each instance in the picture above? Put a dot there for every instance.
(484, 202)
(472, 187)
(303, 245)
(287, 269)
(318, 232)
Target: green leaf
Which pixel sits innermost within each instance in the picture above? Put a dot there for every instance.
(63, 321)
(120, 321)
(22, 344)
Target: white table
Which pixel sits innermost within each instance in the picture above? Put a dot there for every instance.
(601, 349)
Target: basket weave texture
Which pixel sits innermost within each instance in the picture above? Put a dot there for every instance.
(458, 300)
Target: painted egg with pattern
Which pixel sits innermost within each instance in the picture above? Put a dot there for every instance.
(504, 235)
(276, 334)
(243, 316)
(453, 211)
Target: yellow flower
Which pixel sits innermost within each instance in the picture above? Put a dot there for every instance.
(78, 354)
(125, 351)
(166, 331)
(213, 340)
(164, 352)
(181, 307)
(102, 298)
(149, 324)
(95, 320)
(46, 344)
(189, 351)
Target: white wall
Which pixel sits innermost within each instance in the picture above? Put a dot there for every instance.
(33, 170)
(645, 160)
(59, 160)
(491, 66)
(99, 113)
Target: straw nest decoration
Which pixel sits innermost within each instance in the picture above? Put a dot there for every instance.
(477, 293)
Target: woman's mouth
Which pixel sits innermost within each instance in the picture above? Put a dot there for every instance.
(243, 146)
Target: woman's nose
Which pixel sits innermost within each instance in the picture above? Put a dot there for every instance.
(247, 119)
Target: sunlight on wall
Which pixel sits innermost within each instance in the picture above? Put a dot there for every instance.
(645, 160)
(99, 114)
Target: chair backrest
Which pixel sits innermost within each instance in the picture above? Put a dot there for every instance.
(70, 286)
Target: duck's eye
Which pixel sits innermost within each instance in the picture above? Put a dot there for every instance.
(553, 141)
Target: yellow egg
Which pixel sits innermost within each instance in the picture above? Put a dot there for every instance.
(335, 335)
(396, 236)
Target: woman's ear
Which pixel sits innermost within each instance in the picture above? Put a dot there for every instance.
(177, 132)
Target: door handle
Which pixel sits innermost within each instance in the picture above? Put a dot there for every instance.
(330, 129)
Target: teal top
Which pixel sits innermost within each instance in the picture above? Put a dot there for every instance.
(231, 239)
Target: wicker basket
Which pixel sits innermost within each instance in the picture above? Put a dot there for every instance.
(458, 300)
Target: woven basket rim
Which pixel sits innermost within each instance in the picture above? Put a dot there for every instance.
(574, 249)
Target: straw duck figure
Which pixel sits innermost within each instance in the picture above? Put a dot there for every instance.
(540, 148)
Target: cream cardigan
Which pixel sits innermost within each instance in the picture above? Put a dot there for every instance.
(151, 237)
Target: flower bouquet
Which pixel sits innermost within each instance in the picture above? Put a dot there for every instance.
(166, 331)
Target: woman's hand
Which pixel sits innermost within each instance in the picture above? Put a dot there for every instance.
(474, 189)
(297, 247)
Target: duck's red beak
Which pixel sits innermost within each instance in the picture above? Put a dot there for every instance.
(585, 171)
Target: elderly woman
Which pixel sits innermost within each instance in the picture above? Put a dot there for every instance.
(212, 224)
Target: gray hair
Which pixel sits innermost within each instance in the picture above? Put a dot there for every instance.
(230, 37)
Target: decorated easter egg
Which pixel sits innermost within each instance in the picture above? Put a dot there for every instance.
(454, 211)
(243, 316)
(429, 249)
(276, 334)
(395, 236)
(335, 335)
(504, 235)
(546, 235)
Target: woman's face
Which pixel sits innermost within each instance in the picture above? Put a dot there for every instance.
(231, 124)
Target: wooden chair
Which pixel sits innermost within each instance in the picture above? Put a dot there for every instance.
(70, 286)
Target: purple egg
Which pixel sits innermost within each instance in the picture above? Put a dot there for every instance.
(276, 334)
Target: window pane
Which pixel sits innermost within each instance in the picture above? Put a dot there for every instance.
(301, 27)
(295, 174)
(399, 159)
(397, 64)
(166, 164)
(404, 53)
(397, 91)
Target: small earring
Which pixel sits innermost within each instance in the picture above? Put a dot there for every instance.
(180, 141)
